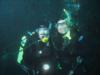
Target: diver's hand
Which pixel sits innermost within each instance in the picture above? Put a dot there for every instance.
(31, 33)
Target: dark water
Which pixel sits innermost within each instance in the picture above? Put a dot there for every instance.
(18, 16)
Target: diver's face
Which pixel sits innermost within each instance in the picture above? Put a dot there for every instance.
(43, 32)
(62, 28)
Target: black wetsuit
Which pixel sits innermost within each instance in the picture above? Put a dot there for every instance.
(69, 53)
(35, 60)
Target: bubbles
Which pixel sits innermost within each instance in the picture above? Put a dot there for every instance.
(40, 52)
(46, 67)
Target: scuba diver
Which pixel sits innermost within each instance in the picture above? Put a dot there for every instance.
(48, 51)
(51, 50)
(36, 55)
(66, 41)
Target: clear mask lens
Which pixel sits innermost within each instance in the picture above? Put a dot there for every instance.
(43, 32)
